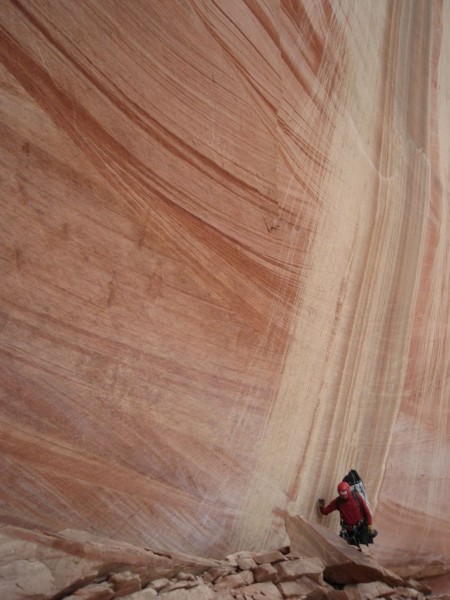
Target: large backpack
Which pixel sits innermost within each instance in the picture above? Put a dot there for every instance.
(357, 485)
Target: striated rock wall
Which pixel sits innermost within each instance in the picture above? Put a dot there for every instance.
(225, 268)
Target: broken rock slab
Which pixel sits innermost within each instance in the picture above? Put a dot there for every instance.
(299, 588)
(301, 567)
(35, 564)
(259, 591)
(344, 563)
(265, 572)
(125, 583)
(369, 591)
(94, 591)
(147, 594)
(199, 592)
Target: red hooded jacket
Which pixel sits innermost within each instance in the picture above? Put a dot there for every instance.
(350, 510)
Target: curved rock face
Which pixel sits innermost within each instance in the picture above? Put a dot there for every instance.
(225, 268)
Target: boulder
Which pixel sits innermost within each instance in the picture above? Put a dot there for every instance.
(125, 583)
(293, 569)
(302, 588)
(234, 580)
(259, 591)
(344, 563)
(265, 572)
(269, 557)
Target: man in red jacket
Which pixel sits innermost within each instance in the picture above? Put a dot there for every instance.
(356, 518)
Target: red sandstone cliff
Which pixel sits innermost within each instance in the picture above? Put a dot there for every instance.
(225, 268)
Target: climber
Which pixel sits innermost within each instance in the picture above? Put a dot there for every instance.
(356, 518)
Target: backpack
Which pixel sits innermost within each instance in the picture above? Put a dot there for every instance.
(357, 485)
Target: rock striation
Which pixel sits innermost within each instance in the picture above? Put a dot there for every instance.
(224, 262)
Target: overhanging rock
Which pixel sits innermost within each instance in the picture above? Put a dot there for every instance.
(344, 564)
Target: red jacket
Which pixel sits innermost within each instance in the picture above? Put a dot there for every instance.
(350, 510)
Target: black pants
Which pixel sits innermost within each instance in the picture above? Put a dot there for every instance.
(358, 535)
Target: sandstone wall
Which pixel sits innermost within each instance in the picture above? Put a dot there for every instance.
(225, 268)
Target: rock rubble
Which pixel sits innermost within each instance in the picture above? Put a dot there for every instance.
(287, 577)
(73, 565)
